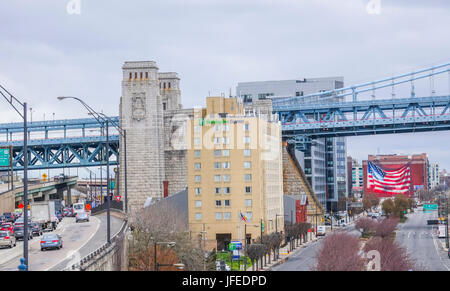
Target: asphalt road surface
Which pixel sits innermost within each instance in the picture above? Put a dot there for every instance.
(79, 239)
(422, 242)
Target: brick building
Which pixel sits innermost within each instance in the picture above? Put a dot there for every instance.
(418, 164)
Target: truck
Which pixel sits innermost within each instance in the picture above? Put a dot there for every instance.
(441, 231)
(43, 212)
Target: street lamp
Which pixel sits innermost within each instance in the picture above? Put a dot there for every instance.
(11, 100)
(123, 133)
(101, 121)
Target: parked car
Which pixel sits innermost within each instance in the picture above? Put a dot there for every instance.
(51, 241)
(7, 226)
(19, 231)
(36, 228)
(7, 239)
(67, 212)
(82, 216)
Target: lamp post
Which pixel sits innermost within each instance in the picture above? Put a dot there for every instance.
(123, 133)
(12, 101)
(101, 121)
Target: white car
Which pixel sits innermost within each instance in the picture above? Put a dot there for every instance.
(321, 230)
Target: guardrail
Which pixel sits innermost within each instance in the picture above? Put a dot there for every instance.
(99, 253)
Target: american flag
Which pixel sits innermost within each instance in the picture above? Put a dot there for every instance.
(388, 183)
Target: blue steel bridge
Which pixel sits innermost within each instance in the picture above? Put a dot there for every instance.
(73, 146)
(340, 112)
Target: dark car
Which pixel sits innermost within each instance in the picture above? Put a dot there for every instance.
(59, 215)
(19, 231)
(9, 216)
(51, 241)
(36, 228)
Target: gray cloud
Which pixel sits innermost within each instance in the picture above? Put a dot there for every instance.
(45, 52)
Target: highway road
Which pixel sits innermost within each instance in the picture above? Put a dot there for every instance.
(79, 239)
(422, 242)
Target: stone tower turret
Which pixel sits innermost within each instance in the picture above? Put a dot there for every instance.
(141, 114)
(169, 85)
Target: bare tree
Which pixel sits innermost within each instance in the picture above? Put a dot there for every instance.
(339, 252)
(392, 256)
(365, 225)
(161, 222)
(386, 227)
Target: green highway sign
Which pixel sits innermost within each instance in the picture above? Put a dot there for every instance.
(4, 157)
(427, 207)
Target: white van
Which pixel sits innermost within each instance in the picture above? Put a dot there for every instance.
(77, 207)
(321, 230)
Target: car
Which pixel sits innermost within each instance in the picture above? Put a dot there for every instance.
(19, 231)
(82, 216)
(59, 216)
(67, 212)
(9, 217)
(321, 230)
(36, 228)
(51, 241)
(7, 226)
(7, 239)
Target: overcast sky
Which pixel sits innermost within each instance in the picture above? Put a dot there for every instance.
(213, 44)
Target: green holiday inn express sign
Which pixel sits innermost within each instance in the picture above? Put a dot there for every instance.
(4, 157)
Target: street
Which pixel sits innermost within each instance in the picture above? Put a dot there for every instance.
(422, 243)
(79, 239)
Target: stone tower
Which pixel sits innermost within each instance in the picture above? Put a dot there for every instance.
(141, 114)
(169, 85)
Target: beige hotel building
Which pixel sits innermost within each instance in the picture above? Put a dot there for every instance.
(234, 166)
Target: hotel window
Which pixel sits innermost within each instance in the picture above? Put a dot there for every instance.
(217, 153)
(226, 178)
(197, 141)
(225, 127)
(197, 128)
(249, 216)
(248, 202)
(246, 126)
(198, 216)
(247, 177)
(218, 203)
(198, 191)
(146, 75)
(247, 153)
(218, 215)
(226, 215)
(217, 127)
(217, 190)
(226, 153)
(216, 140)
(227, 190)
(217, 165)
(197, 154)
(226, 140)
(246, 139)
(217, 178)
(198, 203)
(227, 203)
(198, 179)
(247, 165)
(226, 165)
(197, 166)
(248, 189)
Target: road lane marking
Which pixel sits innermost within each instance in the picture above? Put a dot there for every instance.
(73, 252)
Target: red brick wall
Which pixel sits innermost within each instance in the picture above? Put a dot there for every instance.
(418, 165)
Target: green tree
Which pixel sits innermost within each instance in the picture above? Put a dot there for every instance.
(400, 205)
(388, 207)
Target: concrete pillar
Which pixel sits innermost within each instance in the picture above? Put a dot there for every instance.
(69, 196)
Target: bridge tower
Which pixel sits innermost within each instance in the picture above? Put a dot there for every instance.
(141, 114)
